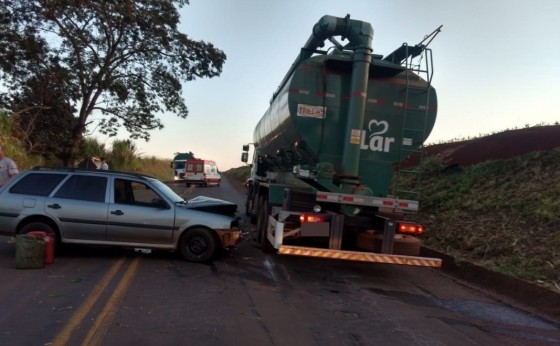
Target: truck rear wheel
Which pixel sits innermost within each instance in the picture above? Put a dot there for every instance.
(248, 206)
(403, 244)
(265, 244)
(406, 245)
(258, 219)
(249, 203)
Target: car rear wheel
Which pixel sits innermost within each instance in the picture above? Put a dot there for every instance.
(198, 245)
(41, 227)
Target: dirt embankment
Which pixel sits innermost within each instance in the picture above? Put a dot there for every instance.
(497, 146)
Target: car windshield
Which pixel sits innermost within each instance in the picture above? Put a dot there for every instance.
(168, 192)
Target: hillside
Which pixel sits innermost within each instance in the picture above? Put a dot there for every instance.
(498, 146)
(495, 201)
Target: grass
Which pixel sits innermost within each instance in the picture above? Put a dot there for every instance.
(240, 173)
(503, 215)
(155, 167)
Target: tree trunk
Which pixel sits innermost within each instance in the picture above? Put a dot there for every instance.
(70, 159)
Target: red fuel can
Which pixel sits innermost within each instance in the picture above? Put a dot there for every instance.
(49, 245)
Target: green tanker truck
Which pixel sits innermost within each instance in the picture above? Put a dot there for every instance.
(325, 169)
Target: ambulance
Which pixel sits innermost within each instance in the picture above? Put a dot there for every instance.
(202, 172)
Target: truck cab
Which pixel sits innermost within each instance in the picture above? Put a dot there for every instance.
(178, 164)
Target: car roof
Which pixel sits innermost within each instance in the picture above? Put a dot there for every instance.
(87, 170)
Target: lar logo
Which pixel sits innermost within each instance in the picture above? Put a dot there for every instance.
(375, 141)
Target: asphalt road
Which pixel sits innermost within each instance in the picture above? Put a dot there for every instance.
(99, 296)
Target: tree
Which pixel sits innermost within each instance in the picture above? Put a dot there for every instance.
(43, 119)
(121, 60)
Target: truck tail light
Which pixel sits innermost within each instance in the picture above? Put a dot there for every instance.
(303, 218)
(409, 228)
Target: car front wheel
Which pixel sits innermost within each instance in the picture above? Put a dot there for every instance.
(198, 245)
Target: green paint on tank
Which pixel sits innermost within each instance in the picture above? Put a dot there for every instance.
(311, 110)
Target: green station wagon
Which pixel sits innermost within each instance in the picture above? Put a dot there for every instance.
(95, 207)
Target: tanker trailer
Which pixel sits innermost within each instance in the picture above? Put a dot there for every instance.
(326, 152)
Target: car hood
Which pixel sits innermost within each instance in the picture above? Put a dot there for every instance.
(212, 205)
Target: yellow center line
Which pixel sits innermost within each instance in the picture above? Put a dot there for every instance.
(64, 335)
(105, 318)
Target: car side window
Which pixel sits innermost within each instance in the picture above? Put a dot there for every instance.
(122, 192)
(136, 193)
(143, 194)
(37, 184)
(83, 188)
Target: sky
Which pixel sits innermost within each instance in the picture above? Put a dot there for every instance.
(495, 65)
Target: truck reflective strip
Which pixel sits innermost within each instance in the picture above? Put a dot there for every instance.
(359, 256)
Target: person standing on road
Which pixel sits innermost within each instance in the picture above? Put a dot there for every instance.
(8, 167)
(104, 166)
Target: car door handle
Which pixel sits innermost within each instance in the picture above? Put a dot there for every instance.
(117, 212)
(54, 206)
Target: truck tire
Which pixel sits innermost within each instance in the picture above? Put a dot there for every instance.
(258, 217)
(255, 203)
(248, 206)
(253, 213)
(405, 245)
(266, 247)
(249, 202)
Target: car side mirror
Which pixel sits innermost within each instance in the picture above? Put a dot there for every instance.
(244, 157)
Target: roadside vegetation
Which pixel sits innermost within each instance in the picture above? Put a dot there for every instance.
(503, 215)
(240, 173)
(122, 156)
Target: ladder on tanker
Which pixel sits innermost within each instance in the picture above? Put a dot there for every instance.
(418, 60)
